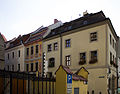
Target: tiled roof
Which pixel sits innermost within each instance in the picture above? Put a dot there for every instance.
(74, 76)
(68, 71)
(77, 78)
(36, 35)
(18, 41)
(78, 23)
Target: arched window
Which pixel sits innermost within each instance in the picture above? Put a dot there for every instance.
(51, 62)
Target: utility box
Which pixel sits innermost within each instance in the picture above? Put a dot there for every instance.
(69, 83)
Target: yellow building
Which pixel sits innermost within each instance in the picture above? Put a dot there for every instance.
(78, 83)
(33, 50)
(90, 42)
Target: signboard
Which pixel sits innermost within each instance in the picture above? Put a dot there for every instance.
(69, 83)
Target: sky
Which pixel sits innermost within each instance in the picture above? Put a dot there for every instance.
(18, 17)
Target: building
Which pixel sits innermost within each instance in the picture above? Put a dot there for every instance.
(2, 50)
(90, 42)
(14, 53)
(33, 47)
(69, 83)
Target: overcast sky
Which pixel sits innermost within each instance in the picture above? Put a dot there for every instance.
(25, 16)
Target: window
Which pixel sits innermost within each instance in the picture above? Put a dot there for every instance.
(36, 49)
(110, 39)
(27, 52)
(8, 67)
(27, 67)
(36, 66)
(8, 56)
(31, 66)
(32, 50)
(113, 58)
(51, 62)
(12, 67)
(49, 47)
(110, 56)
(68, 60)
(113, 43)
(82, 58)
(93, 57)
(55, 46)
(67, 43)
(93, 36)
(18, 67)
(92, 91)
(19, 53)
(13, 54)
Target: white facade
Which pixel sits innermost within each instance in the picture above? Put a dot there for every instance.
(13, 63)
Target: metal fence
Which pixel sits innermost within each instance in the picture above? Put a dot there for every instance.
(25, 83)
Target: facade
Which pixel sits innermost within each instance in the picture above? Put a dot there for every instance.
(14, 53)
(90, 42)
(33, 47)
(77, 85)
(2, 51)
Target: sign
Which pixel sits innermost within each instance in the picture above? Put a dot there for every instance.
(69, 78)
(69, 83)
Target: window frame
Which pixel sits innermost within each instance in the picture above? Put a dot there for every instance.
(49, 47)
(55, 46)
(18, 53)
(27, 51)
(67, 43)
(93, 36)
(82, 60)
(51, 62)
(37, 49)
(32, 50)
(68, 60)
(31, 67)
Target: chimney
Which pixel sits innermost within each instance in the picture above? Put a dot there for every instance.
(55, 21)
(85, 13)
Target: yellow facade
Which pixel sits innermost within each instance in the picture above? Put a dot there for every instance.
(99, 72)
(33, 52)
(61, 83)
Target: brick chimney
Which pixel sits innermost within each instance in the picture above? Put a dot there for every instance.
(55, 21)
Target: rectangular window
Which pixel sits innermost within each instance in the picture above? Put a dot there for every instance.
(36, 65)
(12, 67)
(93, 36)
(31, 66)
(110, 56)
(32, 50)
(113, 43)
(27, 52)
(13, 54)
(68, 60)
(55, 46)
(82, 58)
(113, 59)
(8, 56)
(8, 67)
(67, 43)
(51, 62)
(93, 57)
(19, 53)
(49, 47)
(18, 67)
(36, 49)
(110, 39)
(27, 67)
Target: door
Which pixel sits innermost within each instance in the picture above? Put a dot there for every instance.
(76, 90)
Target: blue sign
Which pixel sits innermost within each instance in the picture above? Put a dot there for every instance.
(69, 78)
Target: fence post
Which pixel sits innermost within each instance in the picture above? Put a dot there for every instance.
(49, 87)
(17, 83)
(23, 83)
(11, 83)
(53, 85)
(38, 82)
(46, 84)
(33, 85)
(42, 84)
(28, 84)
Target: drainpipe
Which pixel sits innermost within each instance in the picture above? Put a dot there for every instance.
(60, 49)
